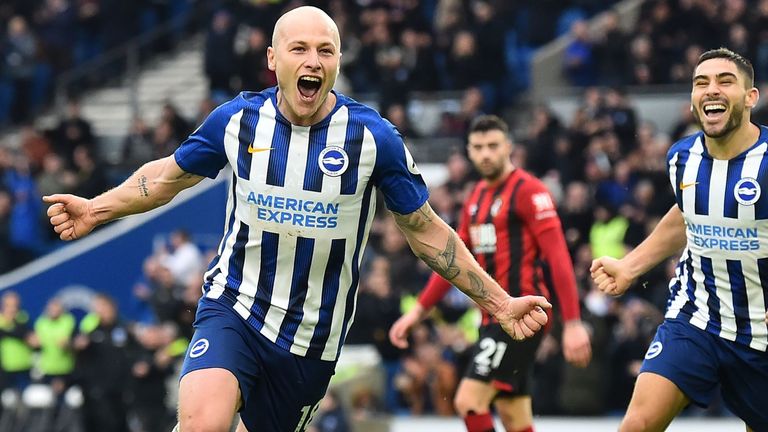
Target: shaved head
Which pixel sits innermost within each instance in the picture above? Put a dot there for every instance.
(297, 18)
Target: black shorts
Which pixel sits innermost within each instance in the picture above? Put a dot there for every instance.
(503, 362)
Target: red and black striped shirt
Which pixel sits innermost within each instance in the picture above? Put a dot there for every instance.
(510, 228)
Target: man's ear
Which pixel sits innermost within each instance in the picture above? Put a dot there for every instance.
(271, 58)
(753, 96)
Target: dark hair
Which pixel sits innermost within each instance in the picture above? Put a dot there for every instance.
(742, 64)
(485, 123)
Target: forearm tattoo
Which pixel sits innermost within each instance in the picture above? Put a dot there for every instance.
(444, 263)
(477, 289)
(143, 189)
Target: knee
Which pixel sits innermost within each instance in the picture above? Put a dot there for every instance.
(465, 405)
(635, 422)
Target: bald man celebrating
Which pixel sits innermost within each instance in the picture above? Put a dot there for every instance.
(279, 297)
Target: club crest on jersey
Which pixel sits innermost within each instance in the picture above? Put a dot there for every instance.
(654, 350)
(199, 348)
(333, 161)
(747, 191)
(496, 206)
(410, 163)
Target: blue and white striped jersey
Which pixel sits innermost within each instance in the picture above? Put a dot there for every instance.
(301, 204)
(721, 282)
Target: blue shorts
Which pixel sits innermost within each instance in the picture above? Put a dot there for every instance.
(697, 362)
(280, 390)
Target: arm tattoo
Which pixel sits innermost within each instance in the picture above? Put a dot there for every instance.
(445, 262)
(415, 221)
(477, 289)
(143, 189)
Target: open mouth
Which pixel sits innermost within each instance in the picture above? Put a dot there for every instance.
(714, 111)
(309, 86)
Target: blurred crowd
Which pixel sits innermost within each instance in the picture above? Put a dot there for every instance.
(42, 39)
(605, 166)
(665, 43)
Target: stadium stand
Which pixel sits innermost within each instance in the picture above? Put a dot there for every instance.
(593, 88)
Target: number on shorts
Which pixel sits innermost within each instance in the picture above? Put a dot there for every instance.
(490, 348)
(307, 412)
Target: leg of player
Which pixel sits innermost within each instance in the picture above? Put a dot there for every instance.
(516, 413)
(655, 402)
(208, 400)
(473, 402)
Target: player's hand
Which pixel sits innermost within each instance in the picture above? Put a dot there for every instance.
(610, 276)
(70, 216)
(577, 349)
(766, 317)
(522, 317)
(398, 333)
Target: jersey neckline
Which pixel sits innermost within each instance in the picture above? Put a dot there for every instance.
(762, 138)
(340, 101)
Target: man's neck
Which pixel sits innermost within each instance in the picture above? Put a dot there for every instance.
(733, 144)
(500, 179)
(325, 108)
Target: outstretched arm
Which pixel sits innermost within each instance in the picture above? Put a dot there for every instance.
(151, 186)
(438, 245)
(615, 276)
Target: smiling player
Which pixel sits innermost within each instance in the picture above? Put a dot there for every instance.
(715, 329)
(280, 295)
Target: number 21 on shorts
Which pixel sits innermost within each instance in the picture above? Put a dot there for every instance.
(491, 353)
(307, 412)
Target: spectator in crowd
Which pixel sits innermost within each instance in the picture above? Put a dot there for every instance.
(576, 214)
(418, 58)
(162, 292)
(610, 49)
(73, 131)
(18, 50)
(253, 72)
(220, 59)
(56, 22)
(15, 335)
(378, 307)
(398, 116)
(464, 66)
(103, 347)
(26, 233)
(606, 236)
(183, 258)
(137, 145)
(91, 177)
(151, 367)
(53, 335)
(427, 379)
(578, 59)
(170, 115)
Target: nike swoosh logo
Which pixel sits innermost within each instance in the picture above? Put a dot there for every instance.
(687, 185)
(252, 149)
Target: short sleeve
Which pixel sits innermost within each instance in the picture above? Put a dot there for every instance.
(202, 153)
(536, 207)
(396, 173)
